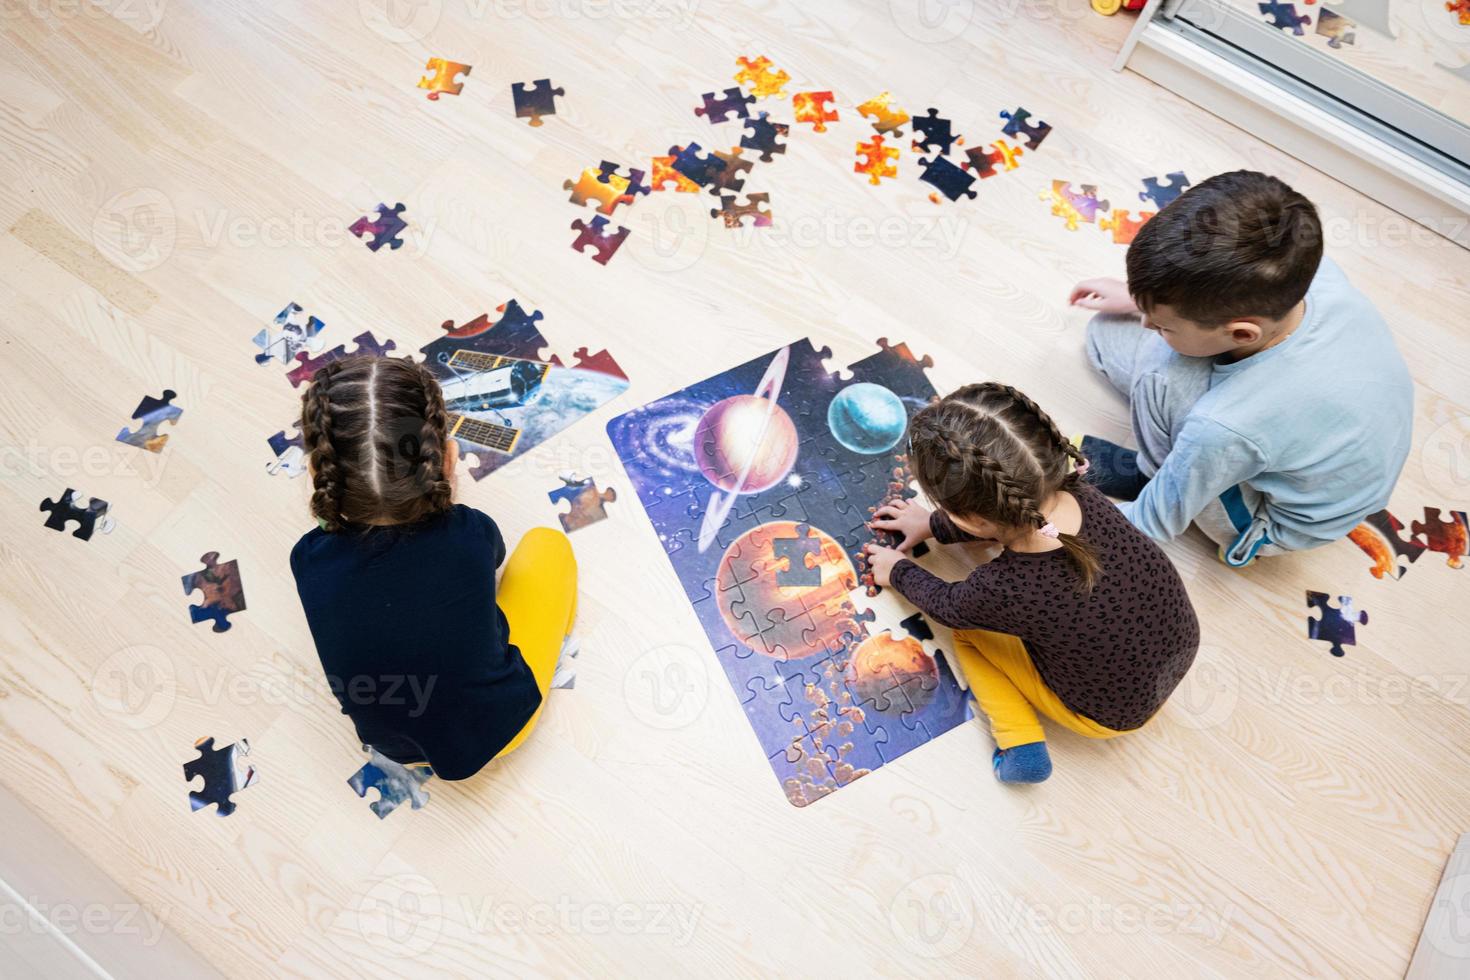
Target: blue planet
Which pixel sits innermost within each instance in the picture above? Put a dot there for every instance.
(867, 418)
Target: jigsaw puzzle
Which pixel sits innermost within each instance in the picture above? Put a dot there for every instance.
(152, 412)
(1460, 7)
(307, 365)
(812, 107)
(224, 771)
(219, 585)
(445, 76)
(1338, 625)
(985, 161)
(289, 451)
(537, 101)
(718, 109)
(887, 118)
(1450, 538)
(761, 136)
(588, 504)
(291, 335)
(396, 783)
(1284, 16)
(601, 185)
(90, 515)
(754, 207)
(702, 170)
(1381, 536)
(1163, 194)
(1338, 29)
(1019, 122)
(732, 177)
(951, 180)
(1124, 227)
(385, 228)
(937, 133)
(664, 171)
(876, 160)
(764, 83)
(604, 244)
(898, 489)
(779, 459)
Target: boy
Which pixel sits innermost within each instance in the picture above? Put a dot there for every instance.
(1268, 400)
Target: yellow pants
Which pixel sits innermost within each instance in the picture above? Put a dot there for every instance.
(538, 594)
(1010, 691)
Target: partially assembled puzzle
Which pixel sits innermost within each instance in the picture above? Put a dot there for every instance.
(759, 483)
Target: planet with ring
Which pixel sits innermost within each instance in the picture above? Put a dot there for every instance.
(867, 418)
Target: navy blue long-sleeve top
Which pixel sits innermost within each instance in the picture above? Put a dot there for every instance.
(412, 642)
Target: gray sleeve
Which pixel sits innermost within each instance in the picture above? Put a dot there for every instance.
(1207, 459)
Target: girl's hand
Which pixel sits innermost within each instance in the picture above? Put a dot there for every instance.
(910, 521)
(881, 561)
(1103, 296)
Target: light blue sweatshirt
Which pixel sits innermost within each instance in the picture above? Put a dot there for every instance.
(1318, 426)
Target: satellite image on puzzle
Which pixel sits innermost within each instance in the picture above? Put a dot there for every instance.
(759, 483)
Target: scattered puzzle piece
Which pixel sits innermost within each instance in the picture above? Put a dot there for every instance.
(764, 82)
(1019, 122)
(606, 245)
(703, 170)
(609, 171)
(291, 336)
(762, 134)
(1381, 538)
(385, 229)
(537, 101)
(811, 107)
(153, 412)
(720, 109)
(1163, 194)
(564, 678)
(602, 185)
(951, 180)
(1062, 208)
(1124, 227)
(876, 159)
(1339, 30)
(1338, 624)
(732, 177)
(754, 207)
(222, 592)
(1085, 204)
(1461, 7)
(1284, 16)
(395, 783)
(887, 119)
(588, 504)
(443, 77)
(937, 133)
(1450, 538)
(663, 172)
(289, 451)
(90, 515)
(307, 365)
(984, 162)
(224, 771)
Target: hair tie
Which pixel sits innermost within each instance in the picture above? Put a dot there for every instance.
(1049, 530)
(1082, 466)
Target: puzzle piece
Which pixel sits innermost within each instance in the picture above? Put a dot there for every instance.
(1450, 538)
(732, 177)
(395, 783)
(1163, 194)
(1086, 204)
(754, 207)
(1019, 122)
(703, 170)
(1284, 15)
(605, 245)
(515, 334)
(937, 133)
(537, 101)
(90, 515)
(608, 172)
(1338, 624)
(951, 180)
(291, 336)
(800, 554)
(811, 107)
(588, 504)
(385, 229)
(721, 109)
(1339, 30)
(1461, 7)
(443, 77)
(1062, 208)
(663, 172)
(602, 185)
(887, 119)
(764, 82)
(1381, 538)
(1124, 227)
(224, 771)
(761, 135)
(308, 366)
(219, 584)
(153, 412)
(564, 678)
(875, 159)
(984, 162)
(289, 451)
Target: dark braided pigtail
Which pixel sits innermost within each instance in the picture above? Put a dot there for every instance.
(327, 478)
(433, 443)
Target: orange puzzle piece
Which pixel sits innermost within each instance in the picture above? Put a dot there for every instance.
(811, 107)
(763, 81)
(442, 79)
(877, 156)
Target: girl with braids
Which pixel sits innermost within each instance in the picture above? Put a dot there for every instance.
(434, 665)
(1080, 616)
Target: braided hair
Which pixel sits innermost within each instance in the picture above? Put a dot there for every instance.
(375, 431)
(989, 451)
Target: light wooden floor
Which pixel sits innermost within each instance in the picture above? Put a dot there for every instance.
(1288, 814)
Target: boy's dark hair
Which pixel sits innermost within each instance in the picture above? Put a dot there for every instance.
(375, 430)
(988, 451)
(1237, 245)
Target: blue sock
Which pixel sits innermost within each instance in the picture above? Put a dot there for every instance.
(1029, 763)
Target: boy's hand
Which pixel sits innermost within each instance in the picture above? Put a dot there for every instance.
(1103, 296)
(910, 521)
(881, 561)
